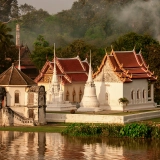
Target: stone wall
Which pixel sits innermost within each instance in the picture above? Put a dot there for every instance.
(86, 118)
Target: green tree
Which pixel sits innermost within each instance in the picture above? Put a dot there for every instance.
(8, 10)
(42, 51)
(25, 8)
(133, 40)
(8, 51)
(82, 49)
(153, 59)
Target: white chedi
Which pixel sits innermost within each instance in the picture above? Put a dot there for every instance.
(89, 101)
(55, 94)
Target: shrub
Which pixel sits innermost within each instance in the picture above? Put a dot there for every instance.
(72, 111)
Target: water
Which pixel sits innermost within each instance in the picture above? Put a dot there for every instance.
(54, 146)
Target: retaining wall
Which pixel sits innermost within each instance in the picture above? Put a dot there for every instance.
(86, 118)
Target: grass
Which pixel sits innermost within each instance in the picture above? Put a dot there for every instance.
(53, 127)
(155, 120)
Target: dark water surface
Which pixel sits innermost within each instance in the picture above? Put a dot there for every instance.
(53, 146)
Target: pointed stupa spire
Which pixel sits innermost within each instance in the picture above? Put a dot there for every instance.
(17, 35)
(19, 64)
(90, 79)
(54, 77)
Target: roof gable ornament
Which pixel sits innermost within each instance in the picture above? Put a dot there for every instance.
(140, 51)
(111, 50)
(134, 49)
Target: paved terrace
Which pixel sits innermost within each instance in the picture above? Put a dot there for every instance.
(103, 116)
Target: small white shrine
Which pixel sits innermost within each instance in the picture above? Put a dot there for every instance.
(89, 100)
(55, 94)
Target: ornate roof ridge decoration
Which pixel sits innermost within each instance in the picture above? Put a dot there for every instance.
(119, 75)
(44, 68)
(119, 64)
(59, 66)
(81, 62)
(110, 63)
(68, 78)
(135, 54)
(101, 66)
(68, 58)
(143, 61)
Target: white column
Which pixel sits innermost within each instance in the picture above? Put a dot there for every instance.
(152, 92)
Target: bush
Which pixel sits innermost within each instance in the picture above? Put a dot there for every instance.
(133, 130)
(72, 111)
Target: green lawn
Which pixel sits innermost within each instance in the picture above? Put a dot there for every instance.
(54, 128)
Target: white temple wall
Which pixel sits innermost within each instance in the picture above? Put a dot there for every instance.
(70, 88)
(109, 93)
(21, 96)
(136, 91)
(74, 90)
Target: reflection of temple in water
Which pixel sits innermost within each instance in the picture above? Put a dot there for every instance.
(44, 146)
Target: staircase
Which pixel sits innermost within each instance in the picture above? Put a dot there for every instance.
(12, 118)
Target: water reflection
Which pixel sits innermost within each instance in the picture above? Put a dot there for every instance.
(53, 146)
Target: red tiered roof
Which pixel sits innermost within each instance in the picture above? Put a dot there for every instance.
(127, 65)
(69, 69)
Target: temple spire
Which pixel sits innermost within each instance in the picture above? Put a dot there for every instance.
(18, 35)
(19, 64)
(90, 79)
(54, 77)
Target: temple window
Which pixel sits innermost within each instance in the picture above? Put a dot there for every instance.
(74, 94)
(80, 95)
(30, 98)
(67, 96)
(149, 90)
(106, 96)
(16, 96)
(144, 93)
(132, 92)
(138, 94)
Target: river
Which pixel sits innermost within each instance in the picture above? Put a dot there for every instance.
(54, 146)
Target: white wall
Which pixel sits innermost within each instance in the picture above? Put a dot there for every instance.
(11, 95)
(114, 91)
(69, 88)
(141, 84)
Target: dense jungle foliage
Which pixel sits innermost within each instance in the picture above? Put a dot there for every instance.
(89, 25)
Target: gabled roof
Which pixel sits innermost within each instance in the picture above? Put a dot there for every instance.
(69, 69)
(25, 58)
(13, 76)
(127, 65)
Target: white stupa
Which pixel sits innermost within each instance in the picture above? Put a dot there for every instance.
(55, 98)
(89, 101)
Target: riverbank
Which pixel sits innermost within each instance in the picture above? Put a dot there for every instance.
(50, 127)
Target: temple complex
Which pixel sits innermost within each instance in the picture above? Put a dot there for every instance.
(67, 75)
(124, 75)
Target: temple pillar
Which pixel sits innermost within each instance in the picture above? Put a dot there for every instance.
(152, 92)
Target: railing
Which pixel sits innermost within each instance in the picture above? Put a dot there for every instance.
(22, 119)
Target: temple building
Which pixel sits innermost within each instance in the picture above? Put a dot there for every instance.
(22, 102)
(124, 75)
(70, 78)
(24, 62)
